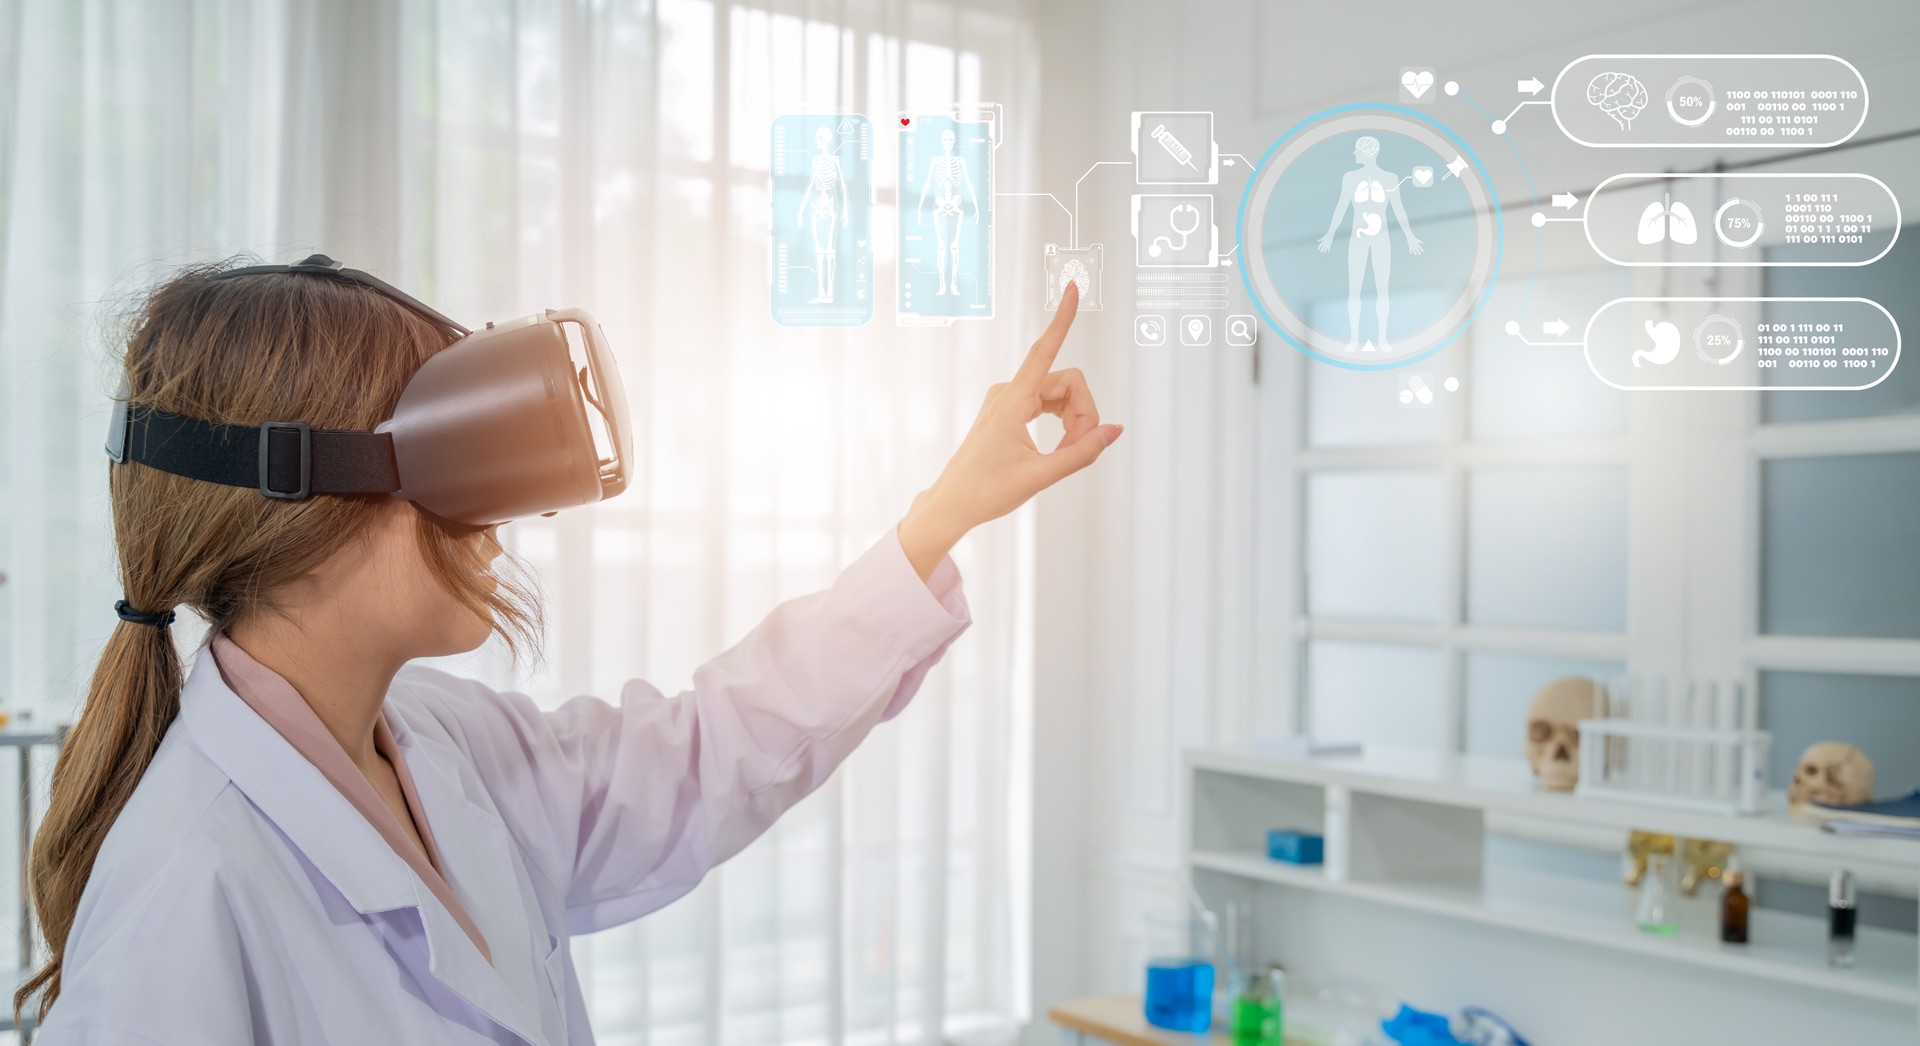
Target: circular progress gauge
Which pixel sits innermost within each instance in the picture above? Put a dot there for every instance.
(1738, 223)
(1719, 340)
(1694, 95)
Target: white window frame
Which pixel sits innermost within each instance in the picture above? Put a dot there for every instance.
(1283, 496)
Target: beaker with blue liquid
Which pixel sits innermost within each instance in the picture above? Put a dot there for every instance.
(1180, 973)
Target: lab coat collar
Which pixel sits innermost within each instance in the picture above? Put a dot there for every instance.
(477, 849)
(336, 840)
(293, 794)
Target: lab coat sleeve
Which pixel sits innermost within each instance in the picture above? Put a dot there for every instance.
(625, 807)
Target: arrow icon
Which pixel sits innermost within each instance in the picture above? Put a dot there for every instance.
(1565, 200)
(1554, 327)
(1529, 86)
(1227, 160)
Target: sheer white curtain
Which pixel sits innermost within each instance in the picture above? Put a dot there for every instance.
(498, 157)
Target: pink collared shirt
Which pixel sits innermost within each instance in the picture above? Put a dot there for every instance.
(276, 701)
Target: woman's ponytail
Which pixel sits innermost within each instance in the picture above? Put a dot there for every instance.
(133, 698)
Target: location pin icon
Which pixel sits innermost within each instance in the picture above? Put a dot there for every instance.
(1193, 330)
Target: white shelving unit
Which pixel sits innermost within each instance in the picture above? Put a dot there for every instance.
(24, 740)
(1405, 834)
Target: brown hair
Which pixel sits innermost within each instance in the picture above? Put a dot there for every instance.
(241, 351)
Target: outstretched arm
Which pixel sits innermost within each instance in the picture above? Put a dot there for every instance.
(1339, 213)
(623, 808)
(1406, 227)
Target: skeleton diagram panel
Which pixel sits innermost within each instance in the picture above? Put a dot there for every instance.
(821, 245)
(946, 218)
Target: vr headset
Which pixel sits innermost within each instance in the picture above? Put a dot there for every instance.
(499, 425)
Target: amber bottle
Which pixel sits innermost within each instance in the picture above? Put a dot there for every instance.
(1733, 907)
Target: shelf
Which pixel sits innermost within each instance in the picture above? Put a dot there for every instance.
(1790, 949)
(18, 736)
(1118, 1019)
(1507, 785)
(12, 980)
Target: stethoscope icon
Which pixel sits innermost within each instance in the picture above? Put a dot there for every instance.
(1173, 223)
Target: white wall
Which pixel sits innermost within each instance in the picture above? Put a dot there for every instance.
(1152, 591)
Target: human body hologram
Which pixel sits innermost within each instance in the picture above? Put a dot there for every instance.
(1368, 191)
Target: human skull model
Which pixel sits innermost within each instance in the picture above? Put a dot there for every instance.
(1553, 736)
(1831, 773)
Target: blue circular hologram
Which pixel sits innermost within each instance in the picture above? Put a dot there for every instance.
(1263, 169)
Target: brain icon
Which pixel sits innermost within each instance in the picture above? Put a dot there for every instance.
(1619, 95)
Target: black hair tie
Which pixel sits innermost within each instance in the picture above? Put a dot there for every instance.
(141, 617)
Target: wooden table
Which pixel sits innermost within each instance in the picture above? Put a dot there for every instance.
(1120, 1019)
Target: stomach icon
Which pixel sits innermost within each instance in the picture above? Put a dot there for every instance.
(1666, 344)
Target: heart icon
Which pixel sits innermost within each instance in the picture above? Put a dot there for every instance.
(905, 121)
(1417, 82)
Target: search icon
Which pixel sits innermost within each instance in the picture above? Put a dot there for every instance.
(1241, 330)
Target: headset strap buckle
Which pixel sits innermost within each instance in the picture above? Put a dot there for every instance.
(303, 463)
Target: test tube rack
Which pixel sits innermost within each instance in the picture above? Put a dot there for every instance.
(1690, 744)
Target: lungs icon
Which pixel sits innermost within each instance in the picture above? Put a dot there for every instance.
(1665, 220)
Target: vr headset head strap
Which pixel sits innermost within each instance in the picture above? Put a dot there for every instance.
(282, 459)
(321, 265)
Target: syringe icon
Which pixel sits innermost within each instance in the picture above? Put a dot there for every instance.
(1179, 152)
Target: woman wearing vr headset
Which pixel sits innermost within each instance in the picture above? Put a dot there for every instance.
(303, 839)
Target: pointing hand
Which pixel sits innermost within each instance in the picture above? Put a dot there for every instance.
(997, 467)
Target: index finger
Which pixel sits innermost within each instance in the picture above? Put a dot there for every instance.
(1039, 359)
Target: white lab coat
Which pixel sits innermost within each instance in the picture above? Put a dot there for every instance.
(240, 898)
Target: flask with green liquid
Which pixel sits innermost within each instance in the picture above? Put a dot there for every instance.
(1654, 913)
(1257, 1009)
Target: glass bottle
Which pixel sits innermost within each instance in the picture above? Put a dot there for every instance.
(1733, 907)
(1840, 918)
(1655, 913)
